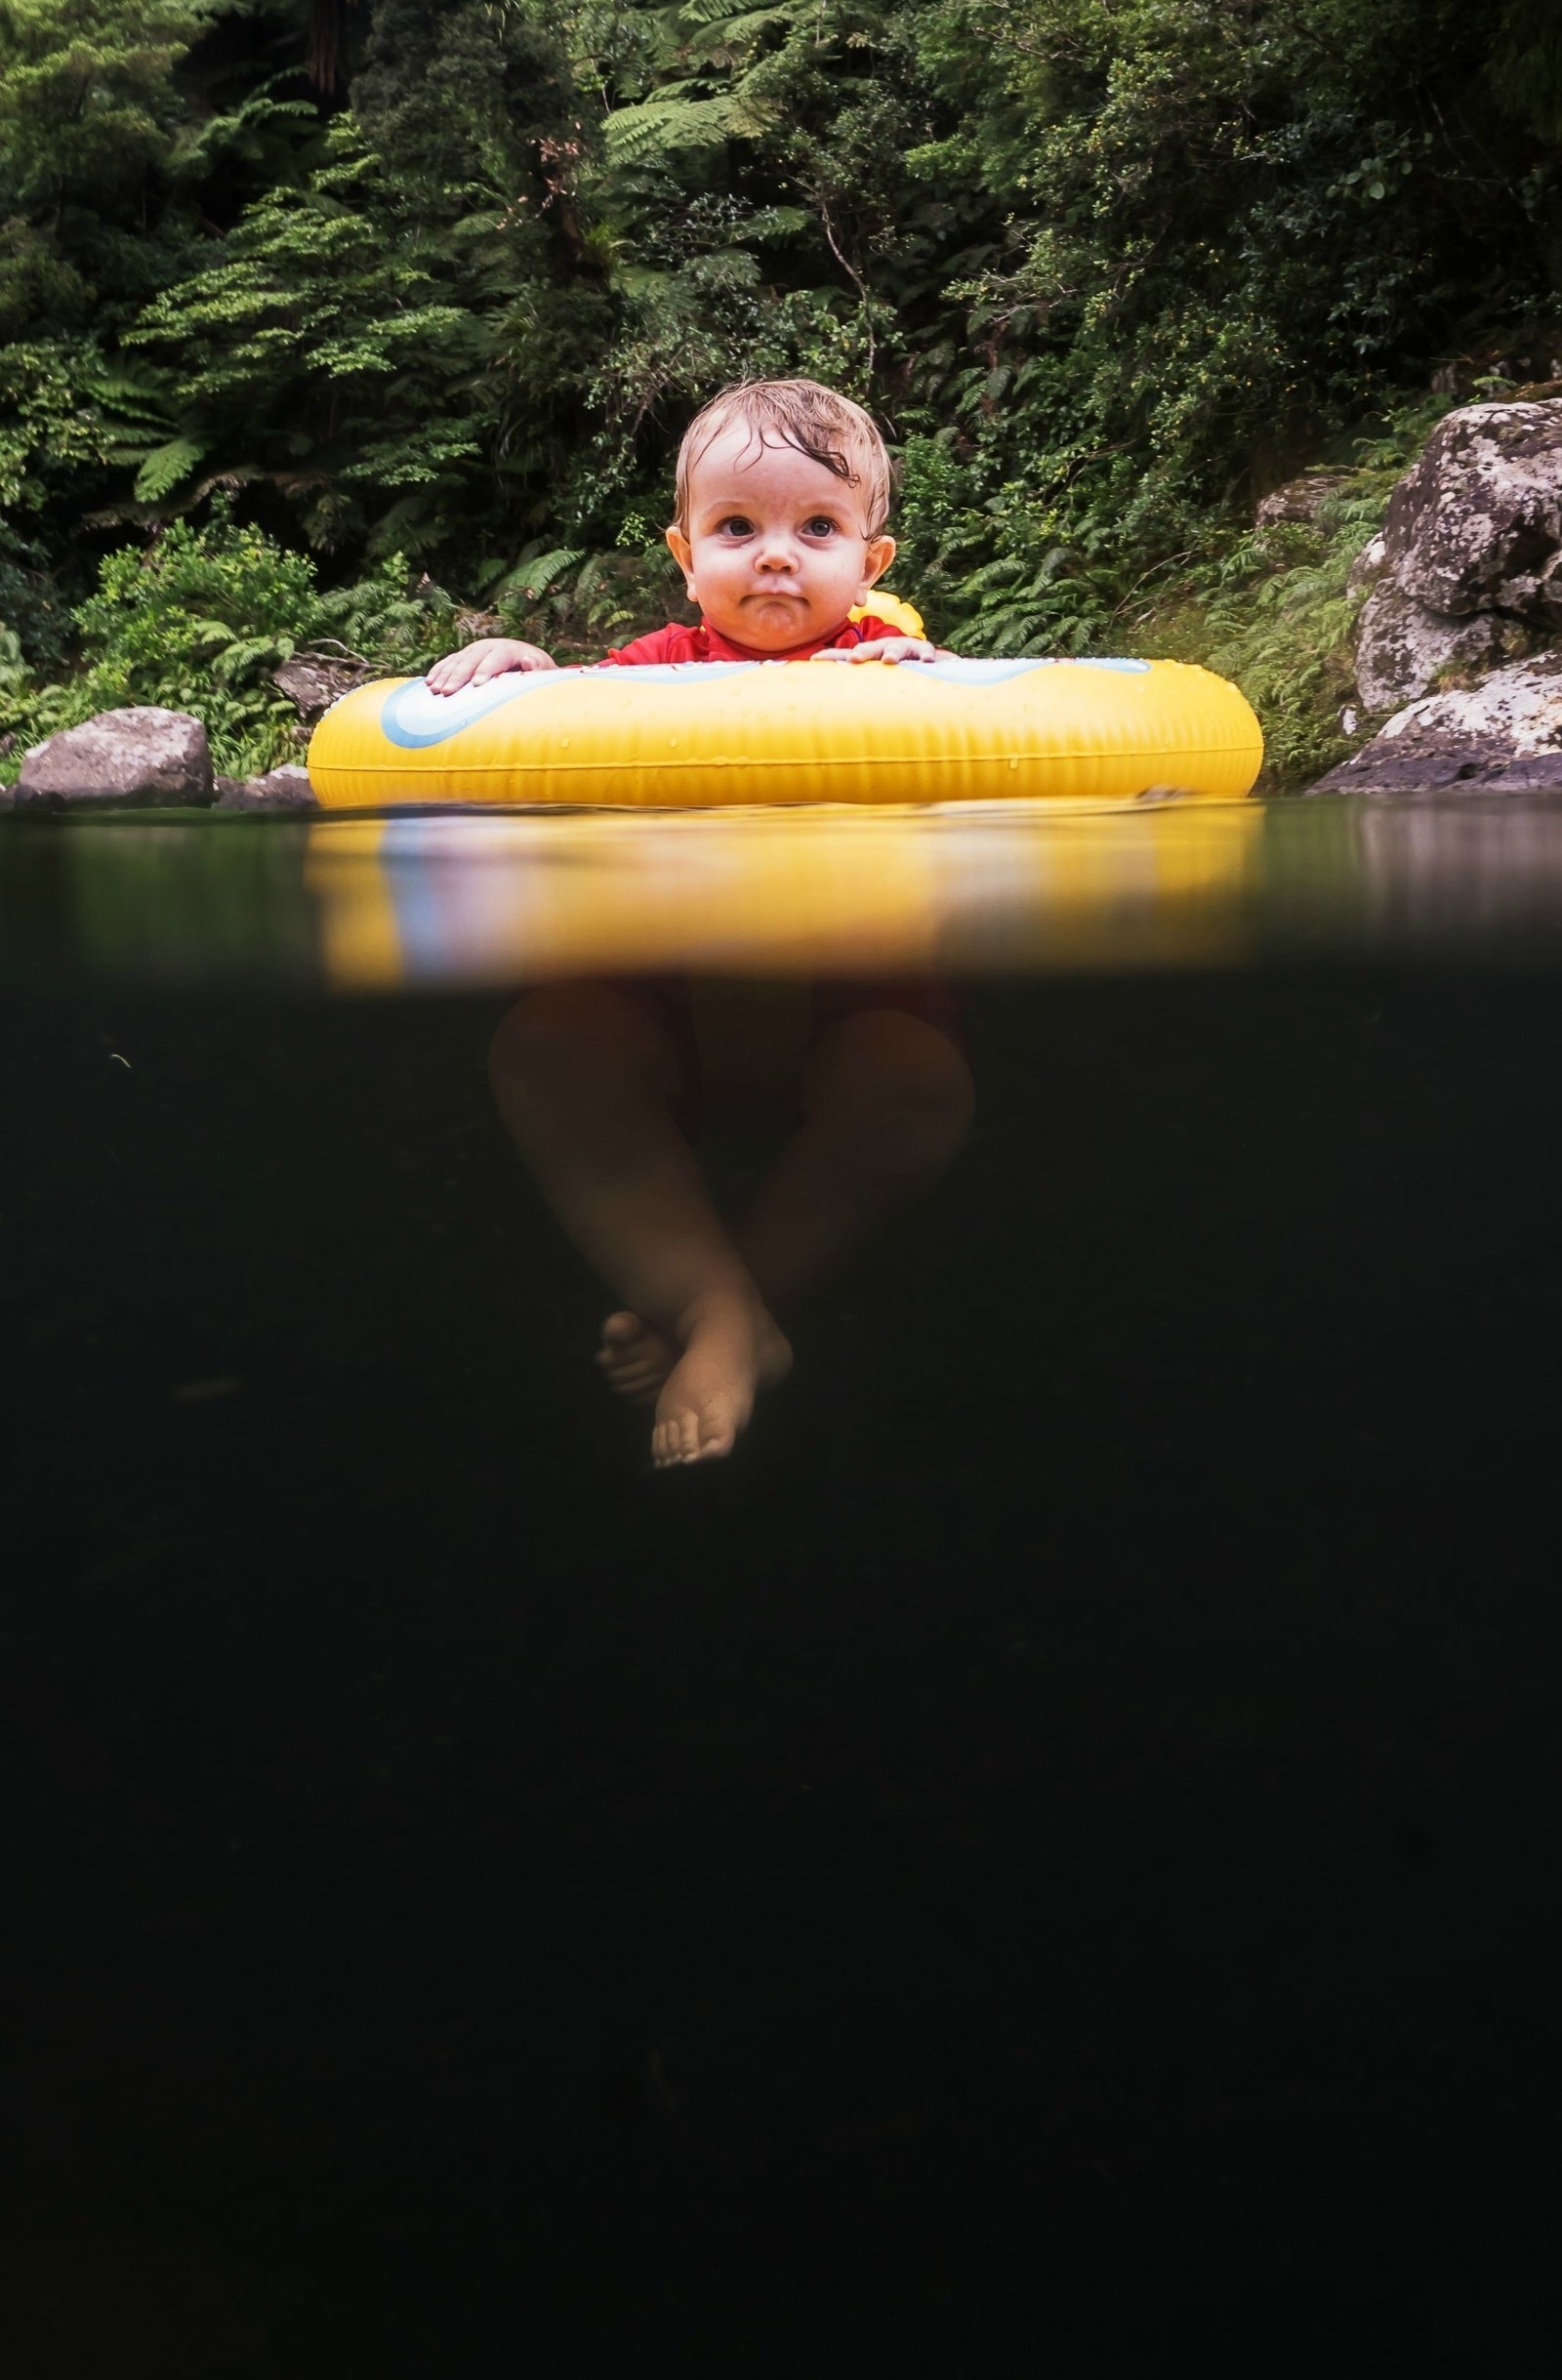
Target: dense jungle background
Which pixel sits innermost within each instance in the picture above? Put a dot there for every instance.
(367, 325)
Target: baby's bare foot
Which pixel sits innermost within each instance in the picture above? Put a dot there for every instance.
(734, 1350)
(634, 1357)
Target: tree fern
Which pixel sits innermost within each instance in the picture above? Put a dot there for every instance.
(164, 467)
(660, 126)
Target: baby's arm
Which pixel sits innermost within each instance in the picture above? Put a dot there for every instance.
(487, 658)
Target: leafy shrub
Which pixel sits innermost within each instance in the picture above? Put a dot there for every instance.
(399, 628)
(200, 618)
(13, 666)
(1273, 608)
(577, 603)
(195, 621)
(31, 612)
(1275, 614)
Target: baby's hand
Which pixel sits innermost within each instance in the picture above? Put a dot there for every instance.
(887, 648)
(487, 658)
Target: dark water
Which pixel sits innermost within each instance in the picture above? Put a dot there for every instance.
(1049, 1855)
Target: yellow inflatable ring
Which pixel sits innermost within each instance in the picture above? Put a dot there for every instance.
(711, 734)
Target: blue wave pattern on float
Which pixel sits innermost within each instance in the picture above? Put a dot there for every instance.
(414, 719)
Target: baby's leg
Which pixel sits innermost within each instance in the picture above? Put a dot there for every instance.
(887, 1099)
(586, 1077)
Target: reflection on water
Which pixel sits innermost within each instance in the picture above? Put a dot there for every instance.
(363, 904)
(1461, 873)
(776, 891)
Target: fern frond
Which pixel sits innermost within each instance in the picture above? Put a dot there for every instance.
(533, 578)
(164, 467)
(743, 25)
(658, 126)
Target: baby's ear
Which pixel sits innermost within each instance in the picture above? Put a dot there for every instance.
(880, 554)
(682, 552)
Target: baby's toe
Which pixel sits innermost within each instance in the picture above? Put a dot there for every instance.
(717, 1435)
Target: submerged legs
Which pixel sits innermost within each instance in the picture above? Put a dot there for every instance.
(590, 1079)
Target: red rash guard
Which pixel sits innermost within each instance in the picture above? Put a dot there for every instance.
(704, 643)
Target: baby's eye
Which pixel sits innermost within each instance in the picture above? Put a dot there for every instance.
(735, 525)
(821, 525)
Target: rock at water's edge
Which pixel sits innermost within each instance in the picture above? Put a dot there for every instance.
(1402, 648)
(315, 681)
(281, 789)
(1501, 736)
(137, 758)
(1477, 524)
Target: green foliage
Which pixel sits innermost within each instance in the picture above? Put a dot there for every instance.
(578, 604)
(1105, 272)
(313, 322)
(64, 415)
(1273, 608)
(399, 626)
(195, 623)
(1275, 613)
(13, 664)
(1227, 235)
(200, 619)
(88, 105)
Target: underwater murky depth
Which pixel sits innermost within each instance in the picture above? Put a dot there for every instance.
(1047, 1849)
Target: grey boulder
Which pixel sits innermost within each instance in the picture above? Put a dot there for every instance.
(1477, 524)
(1402, 650)
(1368, 567)
(142, 758)
(314, 681)
(281, 789)
(1501, 736)
(1298, 501)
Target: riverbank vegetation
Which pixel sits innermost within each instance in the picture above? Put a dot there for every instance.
(349, 322)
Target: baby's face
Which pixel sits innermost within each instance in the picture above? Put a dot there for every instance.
(777, 550)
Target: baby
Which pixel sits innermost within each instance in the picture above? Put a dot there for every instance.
(783, 493)
(783, 488)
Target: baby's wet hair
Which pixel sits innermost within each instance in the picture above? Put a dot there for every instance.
(804, 414)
